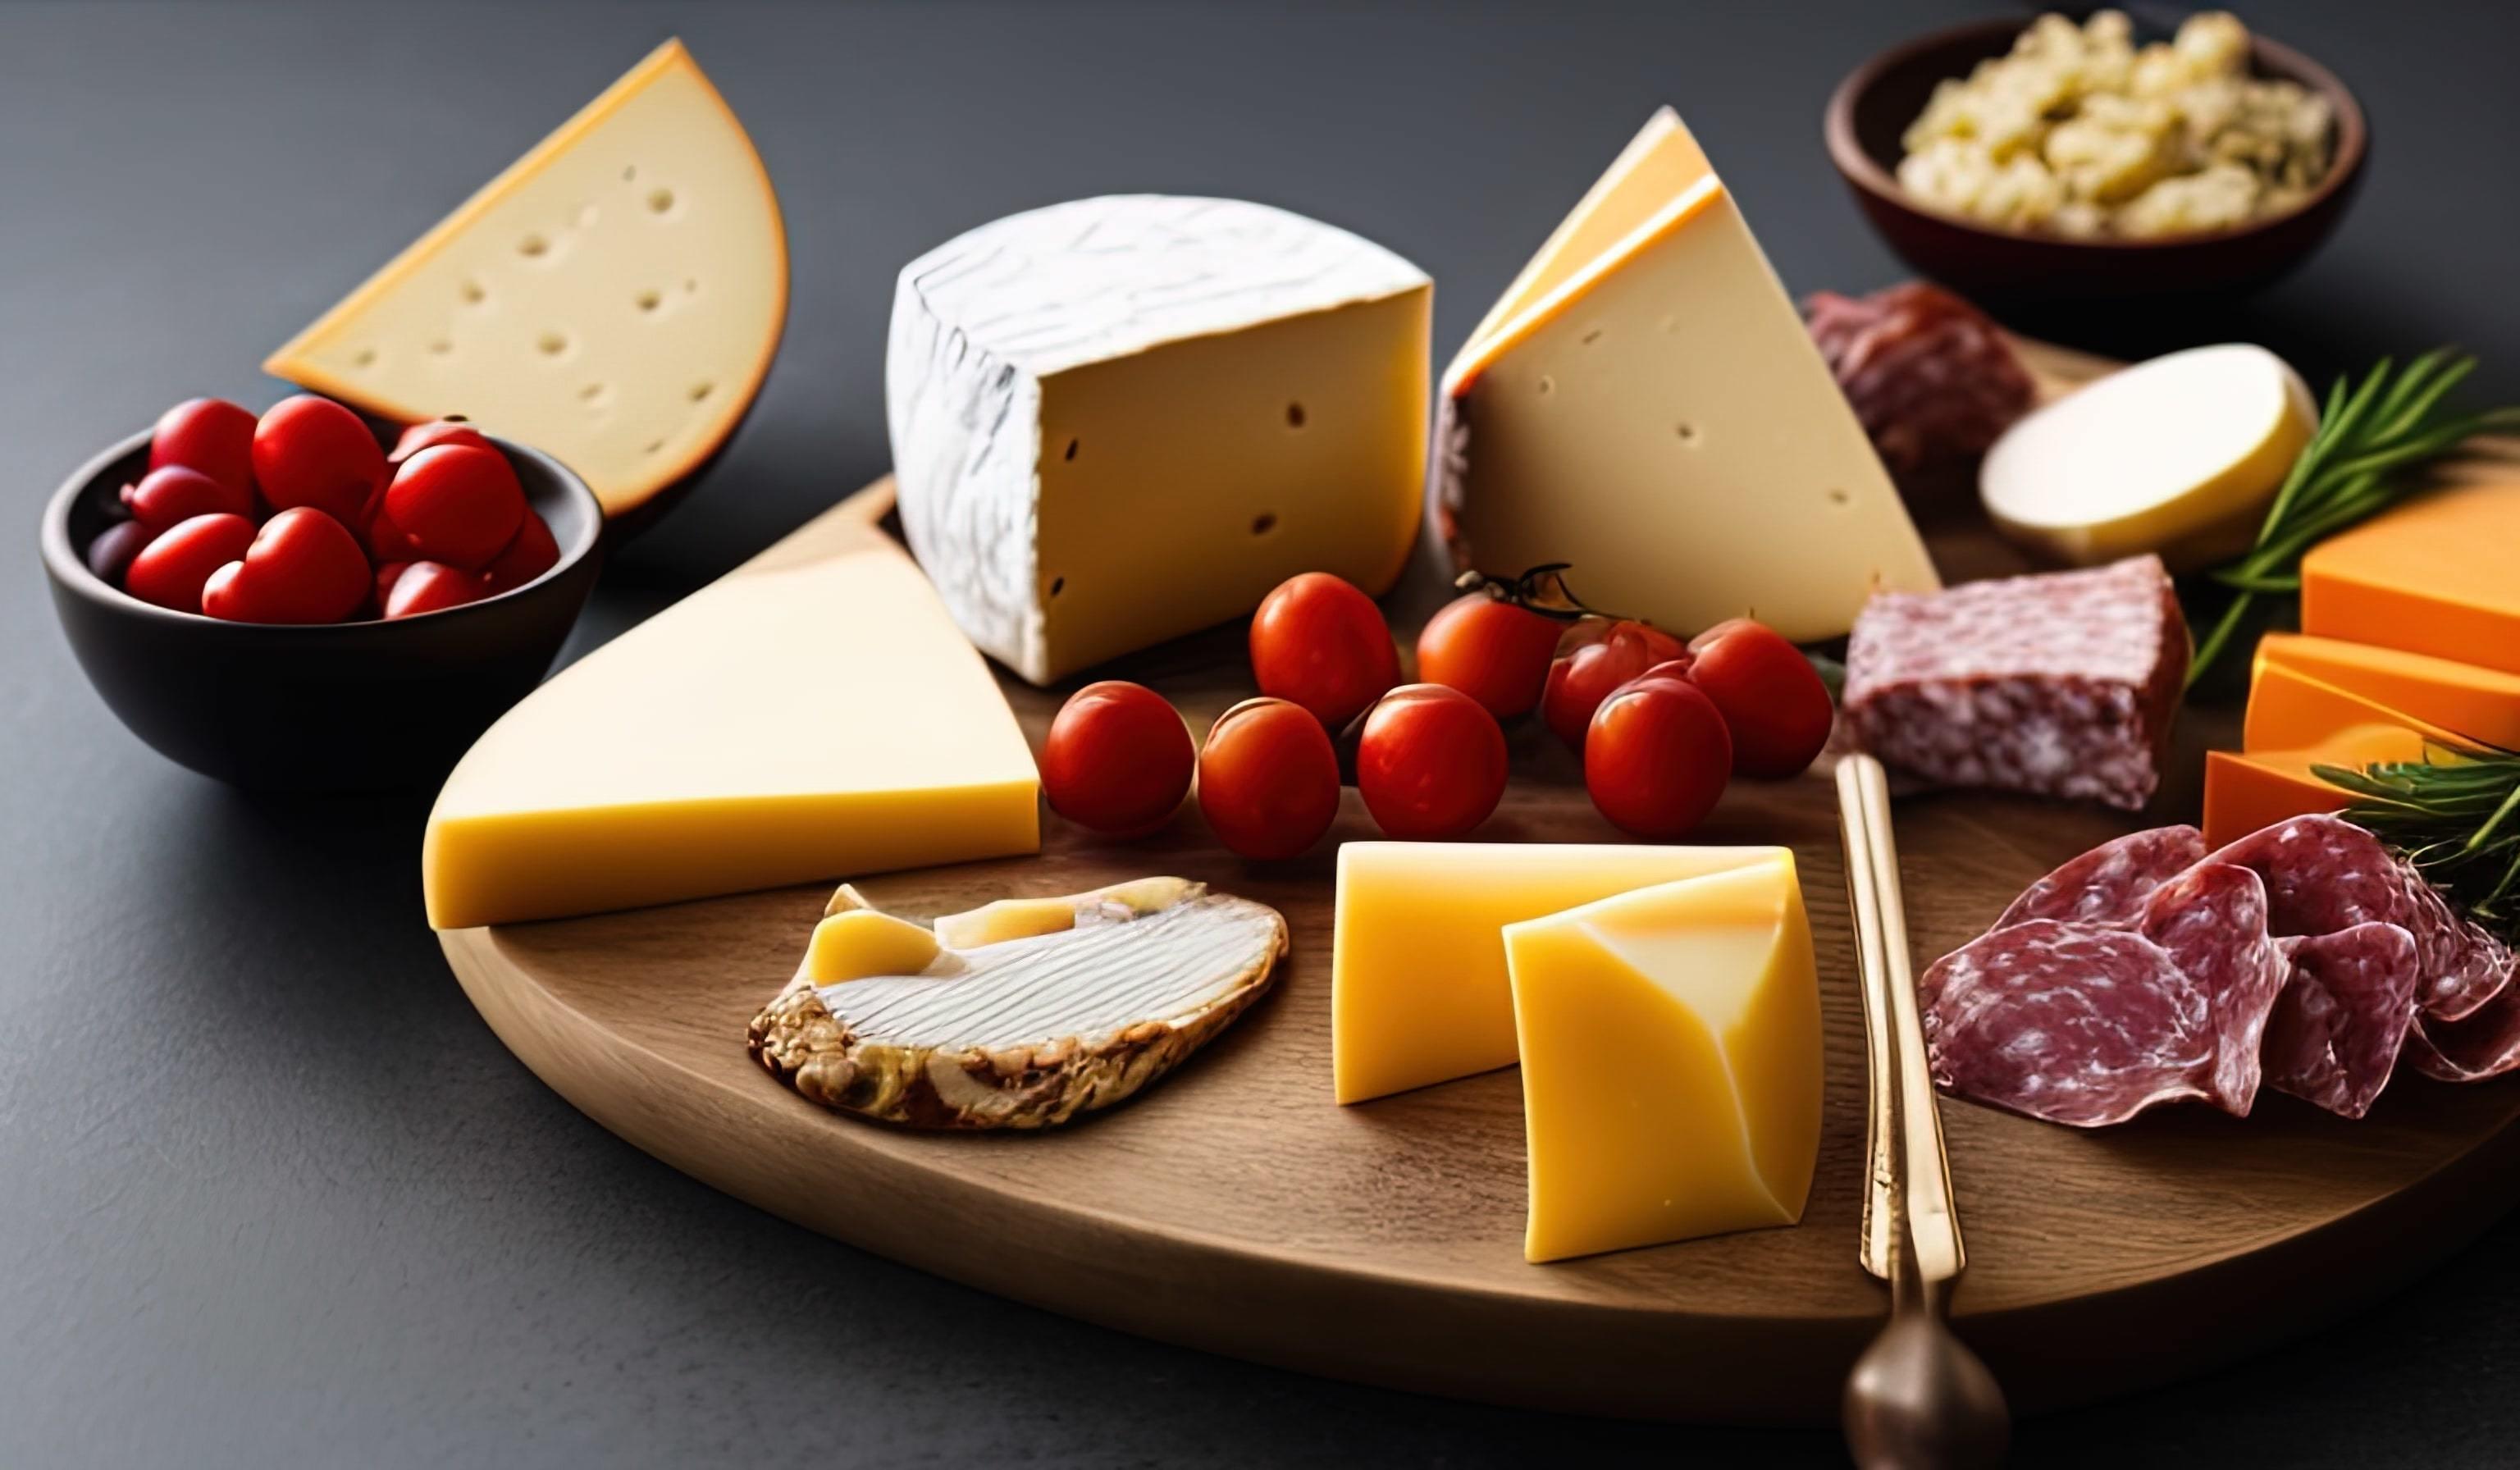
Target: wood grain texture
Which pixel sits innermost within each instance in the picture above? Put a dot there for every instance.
(1234, 1208)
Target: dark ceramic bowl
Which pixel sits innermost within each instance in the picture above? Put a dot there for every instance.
(336, 707)
(1875, 105)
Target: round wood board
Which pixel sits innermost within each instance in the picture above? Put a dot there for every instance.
(1235, 1208)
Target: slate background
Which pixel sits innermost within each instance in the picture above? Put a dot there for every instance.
(271, 1194)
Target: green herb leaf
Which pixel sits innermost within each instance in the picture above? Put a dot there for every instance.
(2454, 815)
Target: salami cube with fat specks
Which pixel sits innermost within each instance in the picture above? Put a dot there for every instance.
(2061, 684)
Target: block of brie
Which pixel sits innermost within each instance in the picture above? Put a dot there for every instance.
(1120, 419)
(1644, 404)
(2179, 455)
(1020, 1014)
(1671, 1061)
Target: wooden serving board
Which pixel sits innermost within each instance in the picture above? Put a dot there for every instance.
(1235, 1208)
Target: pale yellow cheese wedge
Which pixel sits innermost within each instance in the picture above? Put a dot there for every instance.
(1002, 919)
(814, 713)
(1670, 1062)
(1419, 993)
(614, 298)
(856, 943)
(2179, 454)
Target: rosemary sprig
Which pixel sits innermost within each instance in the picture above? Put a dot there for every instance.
(2455, 815)
(2370, 437)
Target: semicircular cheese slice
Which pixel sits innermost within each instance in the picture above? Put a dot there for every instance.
(613, 299)
(2179, 454)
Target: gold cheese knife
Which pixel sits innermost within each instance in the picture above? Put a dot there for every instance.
(1918, 1399)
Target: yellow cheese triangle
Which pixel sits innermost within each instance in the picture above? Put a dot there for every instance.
(814, 713)
(1671, 1061)
(613, 299)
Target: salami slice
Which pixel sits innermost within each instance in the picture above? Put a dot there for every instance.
(2110, 883)
(2334, 1037)
(2087, 1024)
(2484, 1042)
(2323, 873)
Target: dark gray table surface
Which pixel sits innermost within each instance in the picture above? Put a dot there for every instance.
(270, 1193)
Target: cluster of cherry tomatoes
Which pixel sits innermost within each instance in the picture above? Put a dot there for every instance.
(300, 517)
(1662, 726)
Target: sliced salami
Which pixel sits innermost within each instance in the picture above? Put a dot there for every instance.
(2484, 1042)
(2109, 884)
(2089, 1024)
(2335, 1034)
(2323, 873)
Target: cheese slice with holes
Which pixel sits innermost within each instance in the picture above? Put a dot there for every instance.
(1120, 419)
(812, 714)
(1417, 974)
(1644, 404)
(613, 299)
(1670, 1062)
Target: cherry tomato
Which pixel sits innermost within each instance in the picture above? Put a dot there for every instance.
(1495, 651)
(456, 504)
(1318, 641)
(1430, 762)
(1118, 760)
(429, 586)
(170, 569)
(310, 451)
(388, 573)
(451, 429)
(531, 554)
(1600, 659)
(213, 436)
(174, 493)
(1772, 699)
(1657, 754)
(109, 555)
(1268, 780)
(303, 567)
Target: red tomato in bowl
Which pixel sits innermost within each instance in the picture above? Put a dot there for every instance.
(1269, 780)
(1657, 754)
(1600, 659)
(1320, 642)
(1432, 762)
(1772, 699)
(1118, 759)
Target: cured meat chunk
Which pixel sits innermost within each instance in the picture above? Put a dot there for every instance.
(2110, 883)
(2089, 1024)
(2059, 684)
(1931, 377)
(2335, 1034)
(2323, 873)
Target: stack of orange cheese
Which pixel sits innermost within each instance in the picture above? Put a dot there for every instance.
(2411, 636)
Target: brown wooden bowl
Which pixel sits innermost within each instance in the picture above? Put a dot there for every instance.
(1876, 102)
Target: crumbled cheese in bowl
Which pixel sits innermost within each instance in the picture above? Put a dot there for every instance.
(2079, 132)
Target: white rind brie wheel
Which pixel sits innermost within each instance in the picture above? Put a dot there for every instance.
(1028, 1032)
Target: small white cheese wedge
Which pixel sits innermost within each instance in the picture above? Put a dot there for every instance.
(2179, 454)
(1069, 1005)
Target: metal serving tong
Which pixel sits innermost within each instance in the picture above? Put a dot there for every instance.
(1918, 1399)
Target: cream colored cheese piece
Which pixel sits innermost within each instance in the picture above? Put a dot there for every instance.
(862, 942)
(2180, 455)
(1419, 993)
(613, 299)
(1671, 1061)
(1645, 404)
(811, 714)
(1003, 920)
(1120, 419)
(1027, 1032)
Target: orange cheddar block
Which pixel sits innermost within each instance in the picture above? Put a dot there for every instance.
(2289, 710)
(2438, 576)
(2244, 792)
(2476, 703)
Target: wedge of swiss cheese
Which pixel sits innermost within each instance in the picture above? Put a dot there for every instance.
(811, 715)
(1646, 405)
(613, 299)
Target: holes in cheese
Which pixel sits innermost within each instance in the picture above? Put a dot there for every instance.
(569, 256)
(2180, 456)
